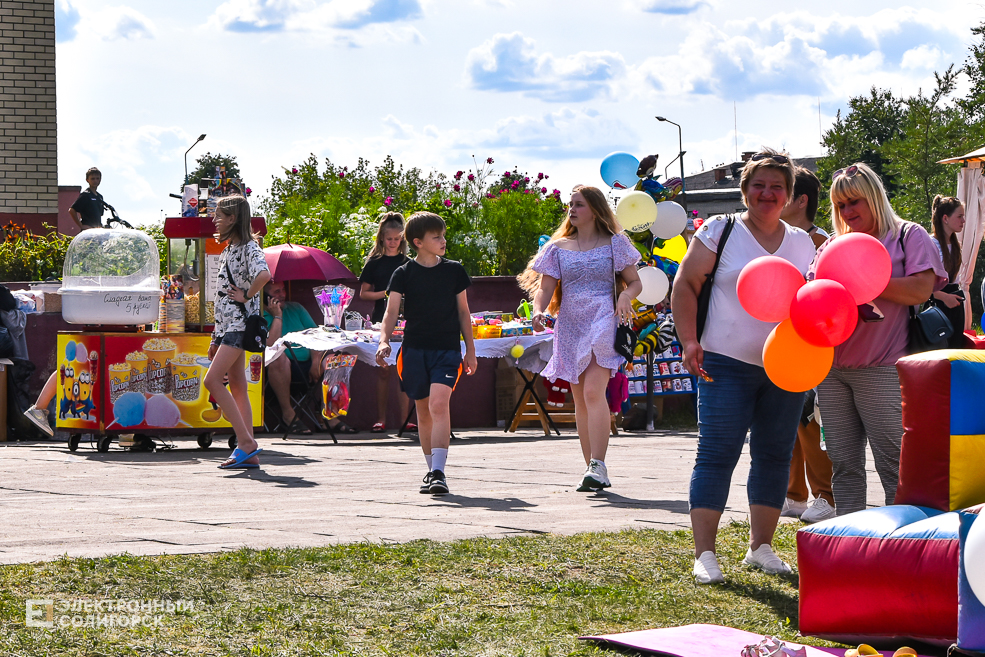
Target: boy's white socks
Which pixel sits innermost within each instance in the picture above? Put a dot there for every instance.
(438, 458)
(428, 458)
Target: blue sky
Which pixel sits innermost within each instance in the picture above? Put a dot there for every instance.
(539, 85)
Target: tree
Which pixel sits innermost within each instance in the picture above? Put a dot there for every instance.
(207, 164)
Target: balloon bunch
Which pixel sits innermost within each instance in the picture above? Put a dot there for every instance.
(814, 317)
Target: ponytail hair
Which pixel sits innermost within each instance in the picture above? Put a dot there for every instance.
(388, 220)
(945, 206)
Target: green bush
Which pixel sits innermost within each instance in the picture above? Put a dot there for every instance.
(25, 256)
(493, 228)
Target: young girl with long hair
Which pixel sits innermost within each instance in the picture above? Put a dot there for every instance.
(389, 252)
(237, 297)
(948, 220)
(583, 255)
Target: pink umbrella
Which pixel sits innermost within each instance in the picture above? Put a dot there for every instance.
(292, 262)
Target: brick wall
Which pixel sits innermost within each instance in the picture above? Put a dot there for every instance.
(28, 155)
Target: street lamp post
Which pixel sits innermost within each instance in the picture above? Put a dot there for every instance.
(200, 138)
(680, 151)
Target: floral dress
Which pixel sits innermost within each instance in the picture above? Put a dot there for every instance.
(586, 322)
(246, 261)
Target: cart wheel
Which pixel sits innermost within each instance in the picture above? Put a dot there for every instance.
(204, 440)
(73, 441)
(103, 444)
(233, 442)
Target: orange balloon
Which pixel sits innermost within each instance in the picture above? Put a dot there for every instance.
(791, 362)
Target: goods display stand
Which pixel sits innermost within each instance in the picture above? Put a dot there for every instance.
(668, 377)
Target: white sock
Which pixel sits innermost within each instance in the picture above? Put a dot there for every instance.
(602, 463)
(438, 457)
(428, 457)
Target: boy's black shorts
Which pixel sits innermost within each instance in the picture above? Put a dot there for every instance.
(419, 368)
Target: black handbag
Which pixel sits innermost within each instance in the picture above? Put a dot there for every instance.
(625, 342)
(704, 297)
(929, 329)
(255, 334)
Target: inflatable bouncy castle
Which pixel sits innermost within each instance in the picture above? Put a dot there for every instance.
(899, 572)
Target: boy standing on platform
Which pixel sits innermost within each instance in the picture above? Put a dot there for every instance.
(436, 308)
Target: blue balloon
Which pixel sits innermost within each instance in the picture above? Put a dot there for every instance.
(70, 350)
(542, 241)
(619, 170)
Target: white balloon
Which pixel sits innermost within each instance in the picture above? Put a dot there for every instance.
(670, 222)
(636, 211)
(655, 286)
(974, 558)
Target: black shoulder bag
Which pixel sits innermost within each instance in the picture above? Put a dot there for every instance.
(704, 297)
(929, 329)
(255, 335)
(625, 341)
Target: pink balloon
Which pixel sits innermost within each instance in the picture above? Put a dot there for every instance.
(766, 286)
(824, 313)
(859, 262)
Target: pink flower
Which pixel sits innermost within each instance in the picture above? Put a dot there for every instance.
(543, 190)
(489, 160)
(515, 183)
(457, 188)
(526, 191)
(447, 202)
(475, 204)
(546, 177)
(388, 200)
(490, 195)
(527, 179)
(341, 174)
(372, 189)
(471, 177)
(250, 191)
(507, 174)
(540, 176)
(458, 175)
(293, 170)
(556, 192)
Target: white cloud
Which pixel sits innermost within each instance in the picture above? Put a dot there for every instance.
(66, 19)
(923, 58)
(310, 15)
(510, 62)
(116, 23)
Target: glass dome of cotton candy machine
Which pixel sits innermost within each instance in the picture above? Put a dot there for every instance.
(111, 276)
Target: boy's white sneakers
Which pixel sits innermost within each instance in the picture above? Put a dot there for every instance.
(766, 560)
(818, 511)
(596, 477)
(706, 569)
(792, 508)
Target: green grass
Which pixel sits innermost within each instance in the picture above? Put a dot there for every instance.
(515, 596)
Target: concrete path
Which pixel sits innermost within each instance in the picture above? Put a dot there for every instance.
(310, 492)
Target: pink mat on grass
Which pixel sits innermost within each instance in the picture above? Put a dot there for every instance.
(699, 641)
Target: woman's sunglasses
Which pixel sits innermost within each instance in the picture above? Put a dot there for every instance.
(848, 172)
(779, 159)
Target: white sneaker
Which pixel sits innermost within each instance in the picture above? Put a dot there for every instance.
(792, 508)
(706, 570)
(764, 559)
(596, 477)
(819, 510)
(39, 417)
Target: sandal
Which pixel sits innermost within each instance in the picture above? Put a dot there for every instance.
(411, 427)
(342, 427)
(295, 426)
(379, 427)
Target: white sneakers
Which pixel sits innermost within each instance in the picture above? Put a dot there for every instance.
(792, 508)
(39, 417)
(818, 511)
(706, 570)
(596, 477)
(765, 559)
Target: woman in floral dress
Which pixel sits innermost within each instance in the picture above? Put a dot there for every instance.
(584, 255)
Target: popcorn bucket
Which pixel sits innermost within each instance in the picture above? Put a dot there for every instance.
(137, 361)
(187, 377)
(119, 380)
(160, 352)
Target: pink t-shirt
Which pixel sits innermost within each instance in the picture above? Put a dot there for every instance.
(881, 344)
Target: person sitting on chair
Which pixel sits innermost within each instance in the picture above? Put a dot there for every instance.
(285, 317)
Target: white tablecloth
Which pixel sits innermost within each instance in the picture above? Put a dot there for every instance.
(537, 349)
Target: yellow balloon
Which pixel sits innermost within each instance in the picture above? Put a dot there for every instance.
(516, 351)
(636, 211)
(673, 249)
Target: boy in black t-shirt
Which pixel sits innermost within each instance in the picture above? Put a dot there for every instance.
(89, 205)
(436, 308)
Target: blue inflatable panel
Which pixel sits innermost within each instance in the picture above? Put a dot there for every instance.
(967, 383)
(971, 611)
(899, 521)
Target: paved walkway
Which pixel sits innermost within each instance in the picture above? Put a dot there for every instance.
(311, 492)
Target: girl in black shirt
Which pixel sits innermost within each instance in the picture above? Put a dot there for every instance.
(389, 252)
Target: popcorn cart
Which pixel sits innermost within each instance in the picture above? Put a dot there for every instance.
(115, 376)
